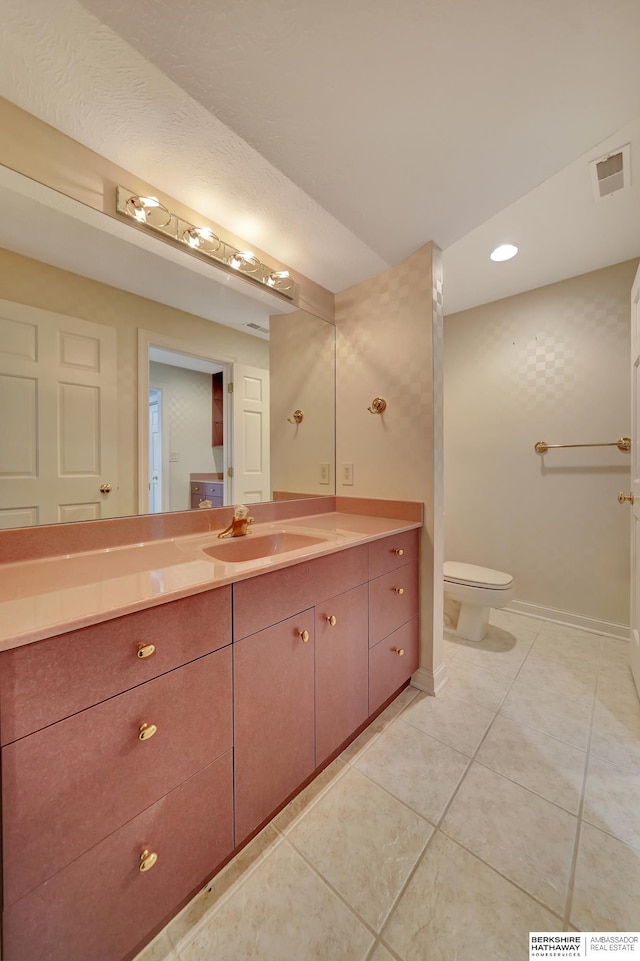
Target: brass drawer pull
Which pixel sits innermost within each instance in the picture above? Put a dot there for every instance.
(304, 635)
(147, 860)
(331, 619)
(145, 650)
(398, 551)
(398, 650)
(399, 590)
(146, 731)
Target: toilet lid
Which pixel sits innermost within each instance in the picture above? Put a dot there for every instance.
(473, 576)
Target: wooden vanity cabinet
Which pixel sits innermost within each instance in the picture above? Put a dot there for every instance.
(84, 794)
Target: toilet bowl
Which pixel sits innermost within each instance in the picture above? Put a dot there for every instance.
(477, 589)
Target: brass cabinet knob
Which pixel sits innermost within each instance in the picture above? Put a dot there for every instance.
(398, 650)
(145, 650)
(146, 731)
(147, 860)
(399, 590)
(622, 497)
(398, 551)
(331, 619)
(304, 635)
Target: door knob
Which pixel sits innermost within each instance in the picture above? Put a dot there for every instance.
(105, 488)
(622, 497)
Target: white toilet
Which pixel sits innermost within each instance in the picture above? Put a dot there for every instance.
(478, 589)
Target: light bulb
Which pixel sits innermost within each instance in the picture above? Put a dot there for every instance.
(504, 252)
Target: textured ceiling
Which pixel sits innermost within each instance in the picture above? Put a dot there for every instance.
(341, 136)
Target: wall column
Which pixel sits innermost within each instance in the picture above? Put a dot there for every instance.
(389, 344)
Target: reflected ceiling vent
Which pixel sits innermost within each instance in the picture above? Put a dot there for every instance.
(263, 330)
(611, 172)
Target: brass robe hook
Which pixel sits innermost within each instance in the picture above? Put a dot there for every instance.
(298, 417)
(378, 406)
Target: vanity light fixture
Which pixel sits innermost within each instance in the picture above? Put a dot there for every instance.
(201, 238)
(244, 260)
(142, 209)
(277, 277)
(201, 241)
(503, 252)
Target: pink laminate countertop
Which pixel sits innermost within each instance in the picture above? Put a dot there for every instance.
(53, 595)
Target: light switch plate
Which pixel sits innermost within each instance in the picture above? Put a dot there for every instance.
(324, 473)
(347, 474)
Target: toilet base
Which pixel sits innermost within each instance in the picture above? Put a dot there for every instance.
(473, 622)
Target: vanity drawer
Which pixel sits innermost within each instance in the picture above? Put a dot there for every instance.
(43, 682)
(101, 905)
(388, 669)
(68, 786)
(393, 600)
(261, 601)
(385, 555)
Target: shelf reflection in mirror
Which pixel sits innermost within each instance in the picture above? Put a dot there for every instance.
(75, 291)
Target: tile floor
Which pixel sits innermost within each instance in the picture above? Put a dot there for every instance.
(454, 825)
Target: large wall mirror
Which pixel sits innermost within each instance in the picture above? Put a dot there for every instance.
(135, 378)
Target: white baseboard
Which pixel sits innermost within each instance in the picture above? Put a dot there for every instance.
(430, 681)
(567, 619)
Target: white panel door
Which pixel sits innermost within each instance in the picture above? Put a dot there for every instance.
(635, 480)
(58, 419)
(250, 453)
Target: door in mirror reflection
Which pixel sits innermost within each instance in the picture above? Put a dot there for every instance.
(58, 420)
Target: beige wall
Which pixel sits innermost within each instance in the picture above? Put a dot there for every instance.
(31, 282)
(301, 362)
(550, 364)
(389, 333)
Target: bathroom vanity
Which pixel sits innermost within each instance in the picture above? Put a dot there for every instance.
(143, 745)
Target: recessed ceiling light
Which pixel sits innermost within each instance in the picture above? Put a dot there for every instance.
(504, 252)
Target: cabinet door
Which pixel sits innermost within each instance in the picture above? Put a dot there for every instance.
(273, 718)
(101, 906)
(342, 667)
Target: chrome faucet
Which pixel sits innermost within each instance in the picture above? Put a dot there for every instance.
(239, 523)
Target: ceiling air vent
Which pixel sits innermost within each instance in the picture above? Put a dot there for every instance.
(263, 330)
(611, 172)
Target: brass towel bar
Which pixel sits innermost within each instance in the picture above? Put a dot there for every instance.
(622, 443)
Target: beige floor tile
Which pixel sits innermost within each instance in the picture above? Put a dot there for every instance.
(282, 912)
(616, 733)
(612, 800)
(160, 949)
(451, 719)
(562, 646)
(477, 684)
(303, 801)
(363, 842)
(387, 717)
(607, 882)
(616, 686)
(569, 632)
(380, 953)
(456, 907)
(573, 679)
(542, 764)
(415, 768)
(510, 621)
(501, 652)
(523, 836)
(550, 713)
(615, 651)
(234, 872)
